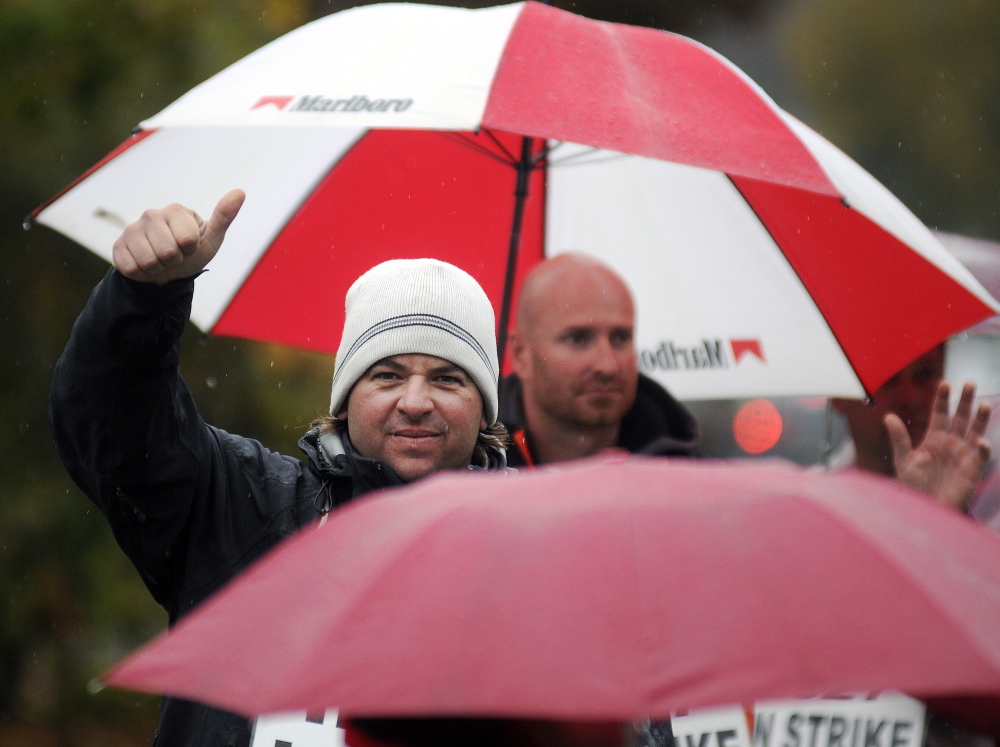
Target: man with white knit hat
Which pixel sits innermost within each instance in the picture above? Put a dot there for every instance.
(414, 392)
(416, 374)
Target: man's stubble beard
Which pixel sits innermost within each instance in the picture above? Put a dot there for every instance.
(583, 416)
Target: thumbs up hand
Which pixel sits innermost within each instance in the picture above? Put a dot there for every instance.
(174, 242)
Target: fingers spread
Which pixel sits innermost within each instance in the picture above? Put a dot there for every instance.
(985, 449)
(899, 438)
(963, 412)
(980, 423)
(939, 412)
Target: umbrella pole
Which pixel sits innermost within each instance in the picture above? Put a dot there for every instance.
(826, 448)
(524, 168)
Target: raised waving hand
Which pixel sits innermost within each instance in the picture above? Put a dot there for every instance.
(950, 461)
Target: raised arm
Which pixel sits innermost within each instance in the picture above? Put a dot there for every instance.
(124, 422)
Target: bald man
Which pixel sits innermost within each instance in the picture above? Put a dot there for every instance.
(576, 388)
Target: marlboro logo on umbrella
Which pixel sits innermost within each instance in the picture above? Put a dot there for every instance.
(279, 102)
(358, 103)
(708, 354)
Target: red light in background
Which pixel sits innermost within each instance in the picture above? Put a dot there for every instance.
(757, 426)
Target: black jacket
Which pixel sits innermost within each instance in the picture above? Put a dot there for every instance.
(191, 505)
(656, 424)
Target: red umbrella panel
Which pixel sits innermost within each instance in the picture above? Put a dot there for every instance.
(609, 589)
(763, 260)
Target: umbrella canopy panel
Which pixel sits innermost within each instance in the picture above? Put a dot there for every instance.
(398, 194)
(526, 68)
(604, 590)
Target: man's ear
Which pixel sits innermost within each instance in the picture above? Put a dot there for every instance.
(342, 415)
(482, 424)
(519, 358)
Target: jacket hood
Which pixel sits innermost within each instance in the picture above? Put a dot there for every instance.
(658, 424)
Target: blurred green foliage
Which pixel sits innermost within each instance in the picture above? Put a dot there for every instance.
(910, 89)
(681, 16)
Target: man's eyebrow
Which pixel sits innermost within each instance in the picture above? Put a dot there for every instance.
(387, 363)
(447, 368)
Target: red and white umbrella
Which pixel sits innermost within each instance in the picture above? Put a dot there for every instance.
(764, 261)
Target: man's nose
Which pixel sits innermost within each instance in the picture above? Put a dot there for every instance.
(415, 399)
(606, 358)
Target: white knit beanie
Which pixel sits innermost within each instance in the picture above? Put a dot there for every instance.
(418, 306)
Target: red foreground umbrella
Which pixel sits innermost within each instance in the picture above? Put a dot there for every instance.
(605, 590)
(763, 260)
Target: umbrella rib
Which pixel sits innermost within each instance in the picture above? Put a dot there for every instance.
(541, 158)
(470, 143)
(607, 156)
(496, 141)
